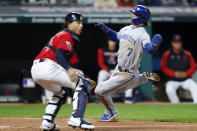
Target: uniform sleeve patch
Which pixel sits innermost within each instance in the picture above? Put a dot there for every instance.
(69, 45)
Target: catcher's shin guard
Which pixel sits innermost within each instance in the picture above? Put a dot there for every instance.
(80, 96)
(80, 99)
(54, 106)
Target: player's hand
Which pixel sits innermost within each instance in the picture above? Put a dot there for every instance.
(72, 73)
(180, 74)
(156, 40)
(101, 26)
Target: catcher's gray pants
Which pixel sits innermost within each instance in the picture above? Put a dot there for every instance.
(118, 82)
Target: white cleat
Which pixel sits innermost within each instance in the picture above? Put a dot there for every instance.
(79, 122)
(48, 126)
(152, 76)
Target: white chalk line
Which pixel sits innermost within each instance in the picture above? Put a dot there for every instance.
(8, 127)
(136, 126)
(176, 124)
(132, 126)
(22, 118)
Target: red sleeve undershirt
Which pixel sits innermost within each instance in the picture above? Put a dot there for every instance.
(192, 68)
(167, 71)
(101, 61)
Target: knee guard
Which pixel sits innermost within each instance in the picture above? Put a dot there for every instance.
(54, 105)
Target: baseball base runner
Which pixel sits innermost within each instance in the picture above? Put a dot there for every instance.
(133, 40)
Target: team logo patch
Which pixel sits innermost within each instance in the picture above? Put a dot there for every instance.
(74, 18)
(69, 45)
(185, 58)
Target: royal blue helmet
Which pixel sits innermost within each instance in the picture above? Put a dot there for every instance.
(143, 14)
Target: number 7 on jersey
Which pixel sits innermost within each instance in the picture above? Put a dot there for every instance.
(131, 50)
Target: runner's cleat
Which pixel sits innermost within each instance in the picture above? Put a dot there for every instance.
(107, 117)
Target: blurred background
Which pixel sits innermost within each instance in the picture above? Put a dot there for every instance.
(27, 25)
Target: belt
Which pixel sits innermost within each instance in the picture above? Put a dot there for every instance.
(124, 70)
(42, 60)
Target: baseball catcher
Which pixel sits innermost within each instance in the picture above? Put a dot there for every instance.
(52, 71)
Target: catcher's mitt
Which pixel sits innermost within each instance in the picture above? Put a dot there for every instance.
(92, 83)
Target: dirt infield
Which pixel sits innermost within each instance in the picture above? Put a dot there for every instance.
(32, 124)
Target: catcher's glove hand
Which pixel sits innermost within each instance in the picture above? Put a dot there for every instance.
(92, 83)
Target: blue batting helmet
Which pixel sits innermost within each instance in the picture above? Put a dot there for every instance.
(143, 14)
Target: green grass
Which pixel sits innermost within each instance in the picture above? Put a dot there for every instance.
(140, 112)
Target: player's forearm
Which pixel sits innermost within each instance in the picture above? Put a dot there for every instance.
(192, 68)
(112, 35)
(152, 47)
(168, 71)
(149, 47)
(61, 59)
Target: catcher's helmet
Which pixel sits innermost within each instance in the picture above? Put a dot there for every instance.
(73, 16)
(143, 14)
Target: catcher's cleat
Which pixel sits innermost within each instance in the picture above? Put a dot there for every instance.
(107, 117)
(48, 126)
(80, 122)
(152, 76)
